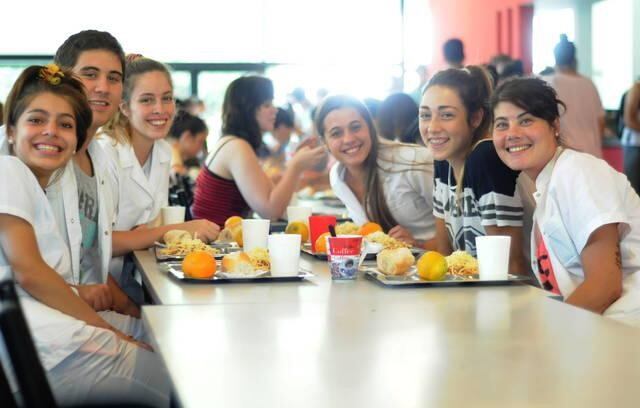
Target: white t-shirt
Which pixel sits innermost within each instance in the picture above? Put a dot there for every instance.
(56, 335)
(579, 125)
(406, 173)
(576, 195)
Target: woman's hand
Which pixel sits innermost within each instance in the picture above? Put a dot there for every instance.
(97, 296)
(402, 234)
(307, 157)
(131, 340)
(204, 230)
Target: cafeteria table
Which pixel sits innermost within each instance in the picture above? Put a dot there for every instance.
(319, 343)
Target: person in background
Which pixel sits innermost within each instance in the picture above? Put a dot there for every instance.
(373, 105)
(582, 125)
(274, 154)
(134, 140)
(499, 62)
(475, 194)
(377, 180)
(586, 236)
(231, 181)
(512, 69)
(301, 108)
(397, 119)
(453, 52)
(1, 115)
(423, 76)
(187, 136)
(86, 359)
(631, 136)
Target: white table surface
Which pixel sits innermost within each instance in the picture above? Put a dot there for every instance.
(479, 347)
(357, 344)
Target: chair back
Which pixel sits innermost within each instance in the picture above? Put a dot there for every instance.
(29, 373)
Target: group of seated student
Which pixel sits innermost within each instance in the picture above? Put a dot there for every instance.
(77, 205)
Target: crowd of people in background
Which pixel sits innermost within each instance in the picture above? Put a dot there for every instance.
(96, 144)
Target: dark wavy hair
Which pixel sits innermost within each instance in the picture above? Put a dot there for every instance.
(29, 85)
(241, 101)
(533, 95)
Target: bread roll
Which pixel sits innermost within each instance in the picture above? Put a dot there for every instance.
(395, 261)
(174, 236)
(237, 262)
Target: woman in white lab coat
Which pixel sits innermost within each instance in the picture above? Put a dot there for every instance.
(135, 143)
(86, 359)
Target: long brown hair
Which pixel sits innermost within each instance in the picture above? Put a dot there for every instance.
(474, 85)
(375, 203)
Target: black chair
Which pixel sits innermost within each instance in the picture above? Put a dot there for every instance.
(35, 391)
(30, 375)
(6, 396)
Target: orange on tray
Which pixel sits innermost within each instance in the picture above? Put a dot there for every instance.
(369, 228)
(432, 266)
(236, 233)
(300, 228)
(321, 243)
(199, 265)
(232, 222)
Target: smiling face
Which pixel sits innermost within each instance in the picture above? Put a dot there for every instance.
(443, 123)
(101, 73)
(266, 116)
(347, 136)
(152, 107)
(523, 141)
(44, 136)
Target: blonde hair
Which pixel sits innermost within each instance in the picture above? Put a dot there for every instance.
(119, 128)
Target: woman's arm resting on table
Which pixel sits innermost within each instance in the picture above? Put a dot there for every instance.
(142, 237)
(18, 241)
(517, 264)
(442, 244)
(602, 266)
(32, 273)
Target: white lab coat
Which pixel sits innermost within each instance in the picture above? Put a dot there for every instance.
(66, 189)
(576, 194)
(140, 198)
(83, 363)
(56, 335)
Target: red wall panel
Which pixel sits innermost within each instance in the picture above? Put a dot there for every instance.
(475, 23)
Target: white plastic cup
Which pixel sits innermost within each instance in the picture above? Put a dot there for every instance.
(172, 215)
(493, 257)
(255, 233)
(295, 213)
(284, 253)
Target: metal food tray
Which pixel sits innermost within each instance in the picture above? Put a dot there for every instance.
(223, 248)
(306, 248)
(413, 280)
(175, 269)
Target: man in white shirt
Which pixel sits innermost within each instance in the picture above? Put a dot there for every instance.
(582, 125)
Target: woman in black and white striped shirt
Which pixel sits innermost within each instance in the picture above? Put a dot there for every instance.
(454, 123)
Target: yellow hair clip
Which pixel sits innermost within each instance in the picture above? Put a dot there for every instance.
(52, 74)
